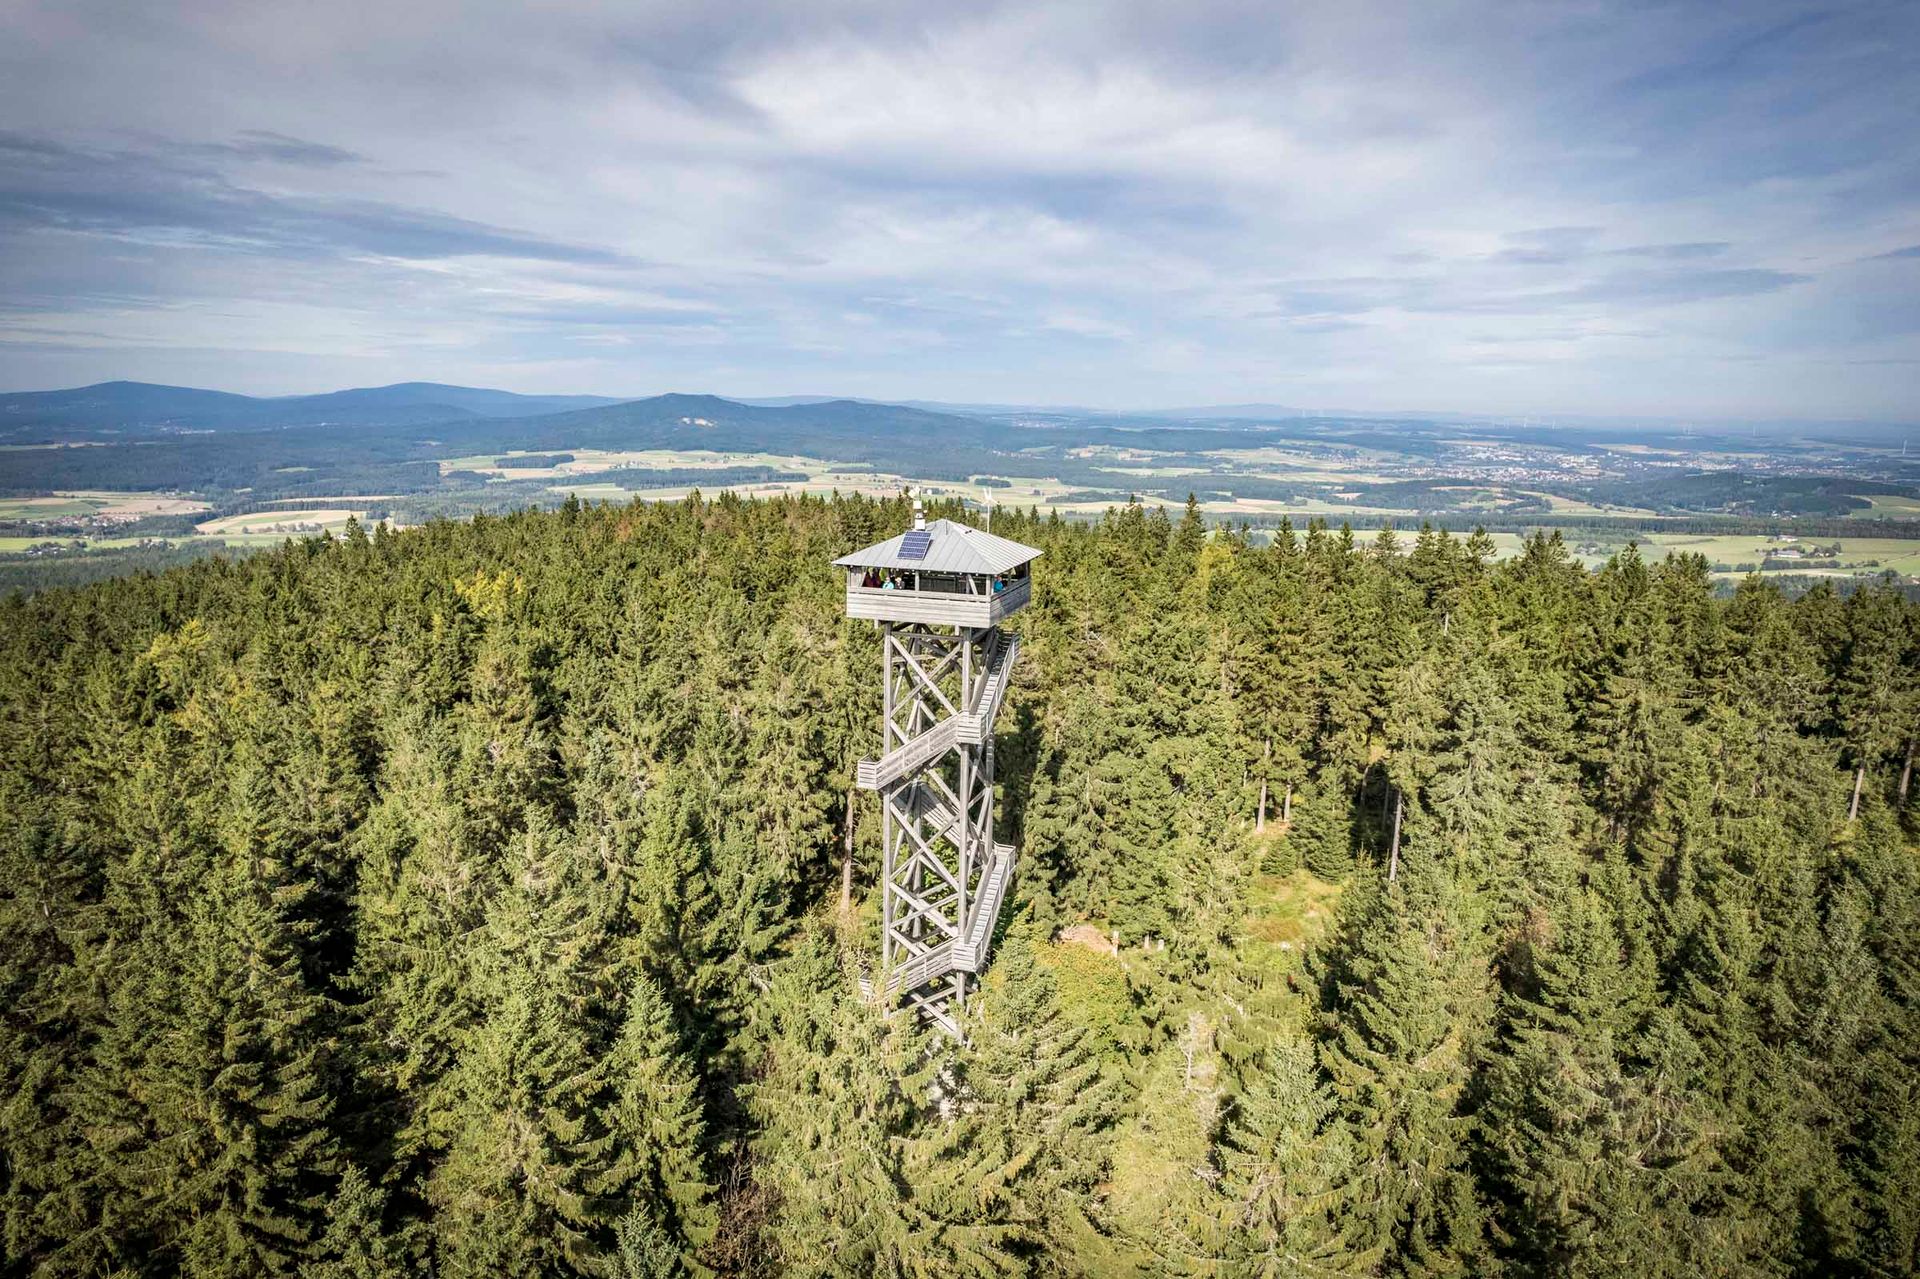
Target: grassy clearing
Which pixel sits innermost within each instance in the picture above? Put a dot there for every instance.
(1888, 506)
(1285, 913)
(1291, 464)
(253, 540)
(136, 505)
(1858, 555)
(822, 476)
(1574, 506)
(1155, 472)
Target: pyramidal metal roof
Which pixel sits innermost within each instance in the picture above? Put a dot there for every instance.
(952, 548)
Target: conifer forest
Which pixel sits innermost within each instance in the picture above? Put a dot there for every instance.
(491, 898)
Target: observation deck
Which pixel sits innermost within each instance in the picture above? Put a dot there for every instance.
(945, 574)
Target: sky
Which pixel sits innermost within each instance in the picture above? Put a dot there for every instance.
(1521, 208)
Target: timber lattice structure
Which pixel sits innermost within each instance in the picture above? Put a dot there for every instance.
(939, 592)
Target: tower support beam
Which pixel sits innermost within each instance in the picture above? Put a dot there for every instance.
(937, 818)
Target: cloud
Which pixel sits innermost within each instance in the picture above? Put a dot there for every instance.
(47, 186)
(1468, 291)
(1678, 287)
(265, 144)
(1124, 203)
(1676, 252)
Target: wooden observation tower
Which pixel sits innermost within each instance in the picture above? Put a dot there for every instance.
(939, 591)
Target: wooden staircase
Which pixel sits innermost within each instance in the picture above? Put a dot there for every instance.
(973, 726)
(969, 728)
(968, 953)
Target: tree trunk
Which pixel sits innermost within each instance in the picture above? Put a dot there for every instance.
(1906, 773)
(1260, 820)
(1286, 805)
(1859, 777)
(846, 859)
(1393, 859)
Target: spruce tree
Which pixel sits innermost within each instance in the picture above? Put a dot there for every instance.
(524, 1135)
(356, 1244)
(1409, 1002)
(1594, 1176)
(1031, 1102)
(1287, 1167)
(208, 1101)
(842, 1106)
(655, 1176)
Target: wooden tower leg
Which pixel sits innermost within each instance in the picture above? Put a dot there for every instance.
(936, 813)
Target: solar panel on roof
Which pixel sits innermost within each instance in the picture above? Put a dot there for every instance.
(914, 545)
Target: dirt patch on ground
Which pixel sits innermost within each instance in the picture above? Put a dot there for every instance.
(1088, 937)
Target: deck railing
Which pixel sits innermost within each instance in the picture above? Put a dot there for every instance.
(953, 608)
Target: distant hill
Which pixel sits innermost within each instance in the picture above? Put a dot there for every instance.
(788, 401)
(464, 400)
(144, 407)
(853, 429)
(356, 447)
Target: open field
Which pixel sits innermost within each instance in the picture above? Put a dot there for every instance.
(44, 508)
(15, 545)
(135, 505)
(1573, 506)
(1117, 471)
(1288, 464)
(1887, 506)
(81, 504)
(1858, 556)
(1156, 472)
(820, 477)
(344, 498)
(823, 477)
(280, 523)
(1336, 480)
(589, 461)
(1743, 554)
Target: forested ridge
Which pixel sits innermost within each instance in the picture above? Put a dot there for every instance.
(475, 901)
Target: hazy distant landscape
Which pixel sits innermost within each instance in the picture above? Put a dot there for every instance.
(122, 475)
